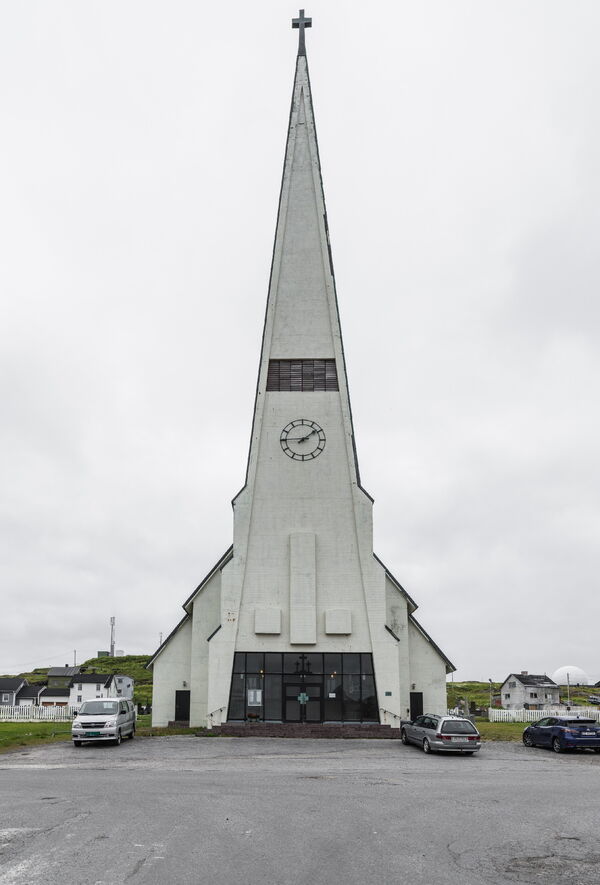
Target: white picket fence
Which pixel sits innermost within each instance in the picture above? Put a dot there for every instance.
(497, 715)
(31, 713)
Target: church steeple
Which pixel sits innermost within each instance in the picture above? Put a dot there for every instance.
(302, 337)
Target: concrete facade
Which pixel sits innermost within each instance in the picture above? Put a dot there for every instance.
(301, 575)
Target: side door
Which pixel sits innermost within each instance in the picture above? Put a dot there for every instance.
(543, 734)
(414, 731)
(429, 727)
(416, 704)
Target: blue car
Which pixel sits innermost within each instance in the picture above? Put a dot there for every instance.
(563, 733)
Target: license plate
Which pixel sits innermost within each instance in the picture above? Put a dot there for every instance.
(589, 734)
(92, 734)
(459, 739)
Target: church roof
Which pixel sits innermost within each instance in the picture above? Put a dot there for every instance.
(217, 567)
(450, 668)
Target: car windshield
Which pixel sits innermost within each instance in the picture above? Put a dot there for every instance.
(95, 707)
(458, 726)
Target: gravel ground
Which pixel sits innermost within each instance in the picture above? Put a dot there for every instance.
(182, 810)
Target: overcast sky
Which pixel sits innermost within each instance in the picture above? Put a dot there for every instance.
(140, 163)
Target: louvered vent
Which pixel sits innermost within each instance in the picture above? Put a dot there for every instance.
(302, 375)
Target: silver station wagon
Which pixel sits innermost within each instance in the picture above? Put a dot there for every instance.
(448, 734)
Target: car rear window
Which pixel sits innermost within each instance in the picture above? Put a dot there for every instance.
(583, 722)
(458, 726)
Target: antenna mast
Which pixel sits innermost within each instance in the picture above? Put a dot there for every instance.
(112, 637)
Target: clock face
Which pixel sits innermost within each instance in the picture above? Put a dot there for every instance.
(302, 440)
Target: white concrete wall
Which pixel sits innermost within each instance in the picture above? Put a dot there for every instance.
(427, 672)
(170, 670)
(206, 619)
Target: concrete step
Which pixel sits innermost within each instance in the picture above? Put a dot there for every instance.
(306, 730)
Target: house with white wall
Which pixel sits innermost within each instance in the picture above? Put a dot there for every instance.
(53, 697)
(89, 686)
(529, 691)
(124, 685)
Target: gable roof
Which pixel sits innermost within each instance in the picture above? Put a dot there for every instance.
(227, 556)
(30, 691)
(63, 671)
(102, 678)
(450, 668)
(55, 692)
(530, 679)
(11, 683)
(412, 605)
(160, 648)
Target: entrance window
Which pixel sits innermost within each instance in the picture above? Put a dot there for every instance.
(292, 687)
(237, 700)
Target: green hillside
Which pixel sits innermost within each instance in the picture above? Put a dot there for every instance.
(129, 665)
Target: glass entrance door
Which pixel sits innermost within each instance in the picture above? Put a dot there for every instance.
(292, 708)
(302, 702)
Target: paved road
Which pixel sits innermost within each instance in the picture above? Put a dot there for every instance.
(183, 810)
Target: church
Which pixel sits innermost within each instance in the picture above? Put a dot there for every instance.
(300, 621)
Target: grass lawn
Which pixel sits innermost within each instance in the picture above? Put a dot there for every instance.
(500, 731)
(23, 734)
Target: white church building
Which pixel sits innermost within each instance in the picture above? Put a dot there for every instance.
(299, 621)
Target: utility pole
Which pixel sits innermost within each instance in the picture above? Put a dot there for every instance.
(74, 657)
(112, 637)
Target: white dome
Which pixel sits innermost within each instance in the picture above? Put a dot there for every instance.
(577, 676)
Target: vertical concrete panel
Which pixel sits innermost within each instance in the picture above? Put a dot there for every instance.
(303, 588)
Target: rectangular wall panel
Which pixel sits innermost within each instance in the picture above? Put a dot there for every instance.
(303, 588)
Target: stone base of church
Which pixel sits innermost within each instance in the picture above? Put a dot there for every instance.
(306, 730)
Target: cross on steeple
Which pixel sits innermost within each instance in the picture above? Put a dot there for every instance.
(301, 23)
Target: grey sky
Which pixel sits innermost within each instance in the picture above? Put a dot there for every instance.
(140, 164)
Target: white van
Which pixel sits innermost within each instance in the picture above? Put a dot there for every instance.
(105, 719)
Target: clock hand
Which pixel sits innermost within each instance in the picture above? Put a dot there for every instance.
(304, 438)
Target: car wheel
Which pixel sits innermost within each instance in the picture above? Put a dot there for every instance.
(528, 740)
(118, 738)
(426, 746)
(403, 737)
(76, 743)
(556, 745)
(132, 734)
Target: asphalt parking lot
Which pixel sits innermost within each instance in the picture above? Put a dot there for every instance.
(181, 810)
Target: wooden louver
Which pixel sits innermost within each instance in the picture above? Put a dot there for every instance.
(302, 375)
